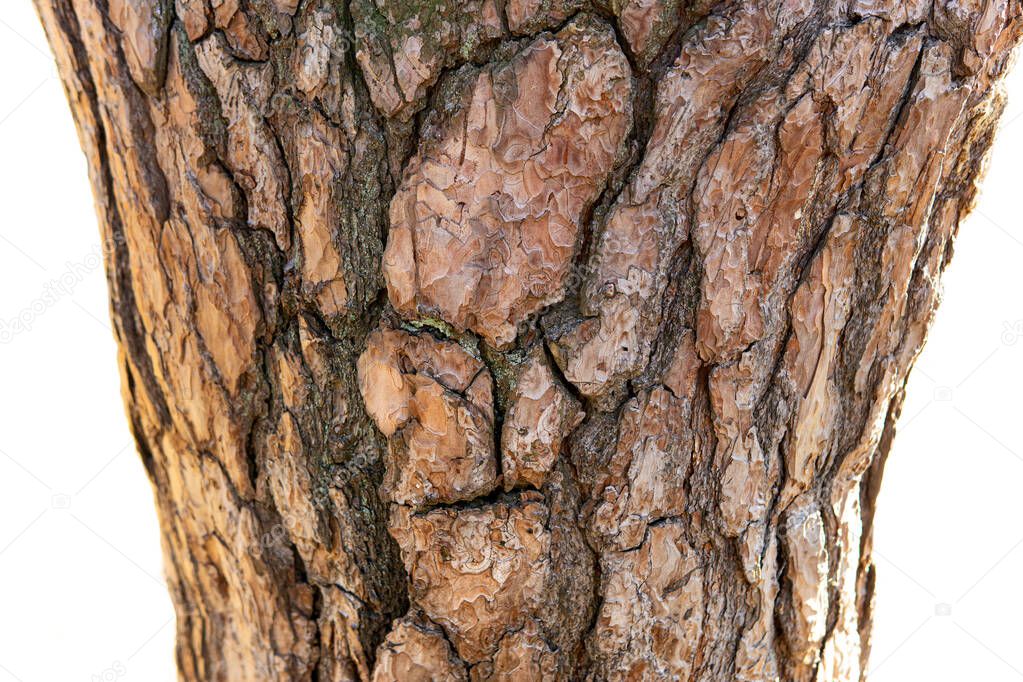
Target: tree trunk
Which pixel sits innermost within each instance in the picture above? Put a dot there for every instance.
(524, 339)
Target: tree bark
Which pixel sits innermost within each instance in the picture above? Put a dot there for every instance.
(524, 339)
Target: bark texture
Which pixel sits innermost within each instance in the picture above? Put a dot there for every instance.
(525, 339)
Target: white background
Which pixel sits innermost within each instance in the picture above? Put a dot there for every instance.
(81, 587)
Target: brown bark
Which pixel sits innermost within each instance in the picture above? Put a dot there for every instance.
(525, 339)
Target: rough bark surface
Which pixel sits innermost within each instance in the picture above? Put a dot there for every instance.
(525, 339)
